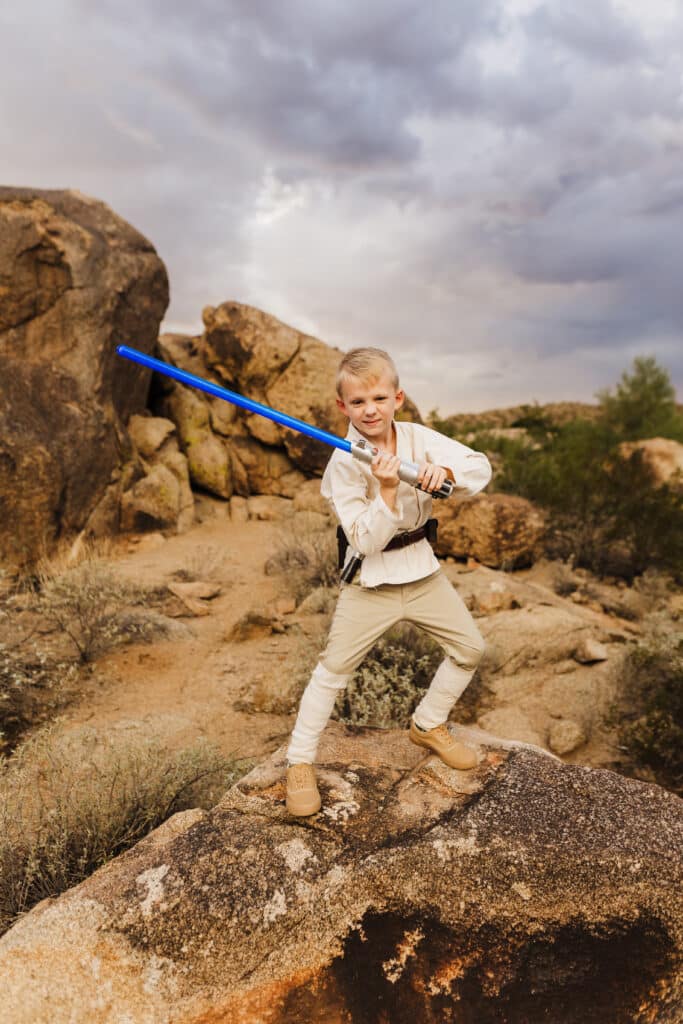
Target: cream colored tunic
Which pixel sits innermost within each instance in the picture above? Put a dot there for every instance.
(353, 493)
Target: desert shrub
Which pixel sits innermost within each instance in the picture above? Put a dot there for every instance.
(306, 558)
(205, 562)
(604, 509)
(650, 723)
(66, 810)
(643, 404)
(32, 686)
(390, 682)
(91, 605)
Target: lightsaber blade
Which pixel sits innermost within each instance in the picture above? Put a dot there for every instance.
(364, 451)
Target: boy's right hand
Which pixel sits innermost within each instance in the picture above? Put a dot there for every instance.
(385, 468)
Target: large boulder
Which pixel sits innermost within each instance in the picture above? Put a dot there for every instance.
(75, 280)
(662, 456)
(499, 530)
(526, 890)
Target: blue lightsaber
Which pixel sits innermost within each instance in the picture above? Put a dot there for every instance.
(362, 450)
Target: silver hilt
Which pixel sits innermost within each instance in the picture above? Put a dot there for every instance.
(364, 451)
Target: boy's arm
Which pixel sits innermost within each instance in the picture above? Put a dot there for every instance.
(368, 523)
(470, 470)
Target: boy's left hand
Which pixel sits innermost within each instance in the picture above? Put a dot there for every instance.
(430, 477)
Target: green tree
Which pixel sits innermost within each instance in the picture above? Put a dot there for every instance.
(644, 405)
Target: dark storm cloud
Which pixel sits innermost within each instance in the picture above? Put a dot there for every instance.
(374, 172)
(336, 83)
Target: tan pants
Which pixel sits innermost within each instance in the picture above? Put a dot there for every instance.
(361, 617)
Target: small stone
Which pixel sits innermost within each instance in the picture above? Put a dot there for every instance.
(198, 589)
(589, 651)
(565, 735)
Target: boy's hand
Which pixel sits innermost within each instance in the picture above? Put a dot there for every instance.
(385, 468)
(430, 477)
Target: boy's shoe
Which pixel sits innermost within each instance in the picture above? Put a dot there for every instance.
(445, 746)
(302, 792)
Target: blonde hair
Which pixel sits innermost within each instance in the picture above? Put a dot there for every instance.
(366, 363)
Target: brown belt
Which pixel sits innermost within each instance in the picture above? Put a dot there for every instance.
(402, 540)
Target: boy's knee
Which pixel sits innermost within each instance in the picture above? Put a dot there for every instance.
(470, 654)
(329, 677)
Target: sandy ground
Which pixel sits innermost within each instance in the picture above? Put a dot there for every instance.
(185, 688)
(192, 686)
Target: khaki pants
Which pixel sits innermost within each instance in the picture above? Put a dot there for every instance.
(361, 617)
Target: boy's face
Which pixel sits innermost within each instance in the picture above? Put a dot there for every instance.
(370, 405)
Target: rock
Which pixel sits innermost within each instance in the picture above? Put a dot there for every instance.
(309, 499)
(152, 502)
(499, 530)
(75, 279)
(285, 606)
(210, 466)
(197, 589)
(565, 735)
(495, 598)
(661, 455)
(266, 470)
(524, 890)
(154, 439)
(589, 651)
(270, 508)
(148, 433)
(511, 724)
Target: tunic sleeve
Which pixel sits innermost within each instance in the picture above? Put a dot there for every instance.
(471, 469)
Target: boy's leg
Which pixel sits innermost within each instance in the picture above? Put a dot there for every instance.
(360, 618)
(435, 605)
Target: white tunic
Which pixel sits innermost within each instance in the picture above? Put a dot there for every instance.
(353, 493)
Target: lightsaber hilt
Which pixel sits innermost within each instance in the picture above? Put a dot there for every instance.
(365, 451)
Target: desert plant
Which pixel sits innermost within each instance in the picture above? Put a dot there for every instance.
(67, 808)
(90, 604)
(32, 685)
(650, 718)
(390, 682)
(305, 558)
(644, 403)
(205, 562)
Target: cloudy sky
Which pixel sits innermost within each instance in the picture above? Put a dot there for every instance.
(493, 191)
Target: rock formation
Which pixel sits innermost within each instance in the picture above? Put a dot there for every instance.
(661, 455)
(250, 352)
(499, 530)
(75, 279)
(525, 890)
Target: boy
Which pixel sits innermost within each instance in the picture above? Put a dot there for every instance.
(399, 581)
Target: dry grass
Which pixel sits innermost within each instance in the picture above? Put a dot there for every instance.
(68, 807)
(70, 609)
(206, 562)
(305, 559)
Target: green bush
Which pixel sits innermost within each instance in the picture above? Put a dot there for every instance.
(651, 729)
(390, 682)
(644, 404)
(604, 509)
(67, 809)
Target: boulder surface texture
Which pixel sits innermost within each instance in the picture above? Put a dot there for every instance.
(75, 280)
(526, 890)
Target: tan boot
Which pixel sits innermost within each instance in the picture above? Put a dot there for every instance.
(445, 746)
(302, 792)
